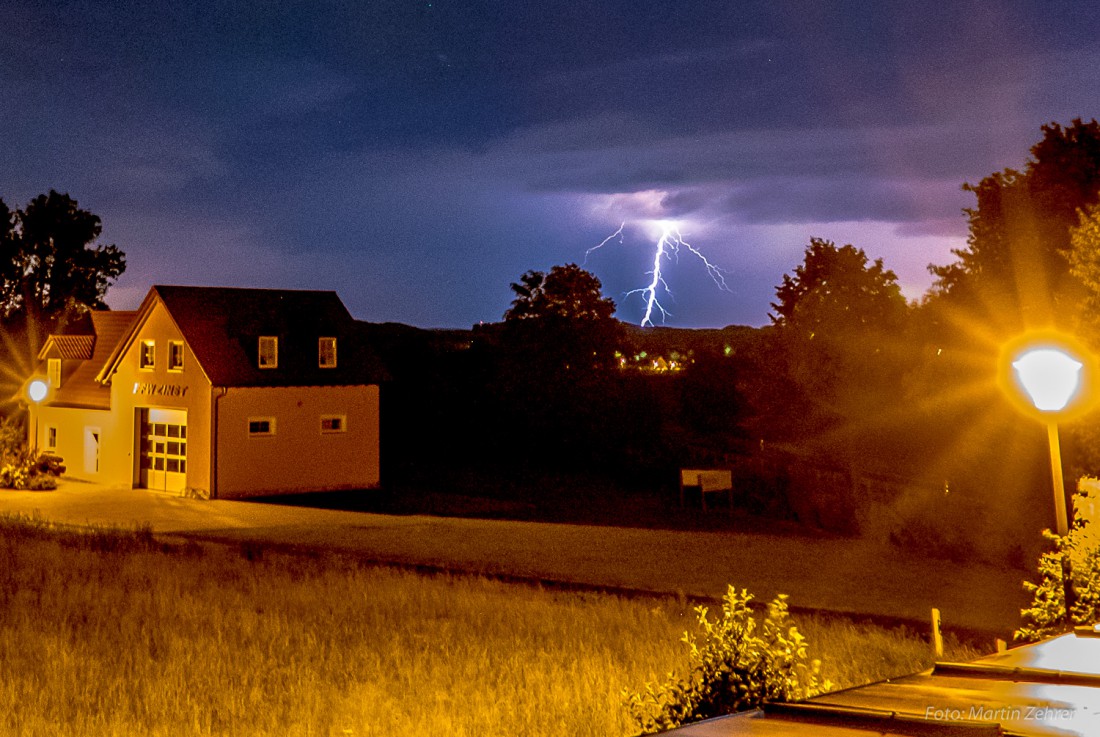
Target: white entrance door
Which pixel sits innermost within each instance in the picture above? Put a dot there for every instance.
(163, 449)
(91, 450)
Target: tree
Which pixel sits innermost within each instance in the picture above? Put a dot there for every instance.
(562, 319)
(567, 292)
(836, 292)
(840, 320)
(551, 363)
(1084, 262)
(51, 269)
(1014, 272)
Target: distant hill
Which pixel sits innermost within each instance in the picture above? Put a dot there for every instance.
(663, 341)
(398, 344)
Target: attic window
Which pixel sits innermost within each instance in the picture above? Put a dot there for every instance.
(53, 369)
(269, 352)
(326, 352)
(147, 355)
(175, 355)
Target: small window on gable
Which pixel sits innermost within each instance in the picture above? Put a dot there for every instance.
(53, 369)
(51, 437)
(326, 352)
(147, 355)
(175, 355)
(260, 426)
(333, 423)
(269, 352)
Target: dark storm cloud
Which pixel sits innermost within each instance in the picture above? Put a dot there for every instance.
(420, 156)
(841, 198)
(818, 175)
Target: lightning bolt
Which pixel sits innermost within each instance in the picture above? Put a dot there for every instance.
(668, 246)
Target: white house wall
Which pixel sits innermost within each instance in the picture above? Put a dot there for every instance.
(115, 454)
(134, 388)
(298, 456)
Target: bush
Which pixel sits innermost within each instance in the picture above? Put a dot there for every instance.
(13, 476)
(19, 467)
(1047, 614)
(41, 482)
(731, 668)
(52, 464)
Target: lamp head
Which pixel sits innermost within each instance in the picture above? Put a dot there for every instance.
(37, 390)
(1050, 376)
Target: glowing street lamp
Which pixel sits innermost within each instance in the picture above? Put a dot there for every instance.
(37, 391)
(1051, 377)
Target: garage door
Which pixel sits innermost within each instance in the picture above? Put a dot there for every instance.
(163, 449)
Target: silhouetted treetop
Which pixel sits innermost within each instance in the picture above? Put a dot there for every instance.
(838, 289)
(51, 268)
(566, 292)
(1014, 270)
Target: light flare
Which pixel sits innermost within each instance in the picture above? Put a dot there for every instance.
(669, 242)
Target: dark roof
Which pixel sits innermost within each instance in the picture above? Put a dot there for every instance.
(80, 389)
(223, 326)
(1041, 690)
(69, 347)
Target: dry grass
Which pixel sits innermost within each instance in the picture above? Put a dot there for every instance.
(117, 634)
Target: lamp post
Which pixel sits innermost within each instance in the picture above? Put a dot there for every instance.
(1051, 377)
(36, 391)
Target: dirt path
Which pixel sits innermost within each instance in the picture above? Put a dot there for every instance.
(839, 575)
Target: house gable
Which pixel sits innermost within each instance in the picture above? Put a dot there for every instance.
(223, 327)
(151, 336)
(79, 387)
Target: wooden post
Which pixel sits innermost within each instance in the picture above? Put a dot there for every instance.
(937, 636)
(1002, 646)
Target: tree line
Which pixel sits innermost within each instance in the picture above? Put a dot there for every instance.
(848, 369)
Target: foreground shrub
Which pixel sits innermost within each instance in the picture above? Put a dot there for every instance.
(21, 471)
(1046, 616)
(42, 482)
(731, 667)
(20, 468)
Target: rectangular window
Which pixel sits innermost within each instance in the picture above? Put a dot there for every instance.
(147, 355)
(326, 352)
(53, 368)
(175, 355)
(334, 423)
(260, 426)
(269, 352)
(51, 437)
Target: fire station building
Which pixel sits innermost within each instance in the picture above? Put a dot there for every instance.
(218, 391)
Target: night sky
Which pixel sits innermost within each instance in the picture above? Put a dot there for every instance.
(417, 157)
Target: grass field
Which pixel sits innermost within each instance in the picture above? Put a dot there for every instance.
(116, 633)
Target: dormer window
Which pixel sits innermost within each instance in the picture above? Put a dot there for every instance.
(326, 352)
(269, 352)
(53, 371)
(147, 352)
